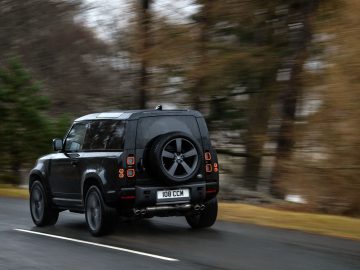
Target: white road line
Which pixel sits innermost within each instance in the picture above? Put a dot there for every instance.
(100, 245)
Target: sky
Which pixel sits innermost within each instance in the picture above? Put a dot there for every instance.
(101, 14)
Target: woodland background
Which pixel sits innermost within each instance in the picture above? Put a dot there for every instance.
(278, 82)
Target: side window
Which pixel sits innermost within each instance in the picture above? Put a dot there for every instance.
(105, 135)
(75, 139)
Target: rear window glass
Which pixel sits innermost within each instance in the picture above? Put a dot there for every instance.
(105, 135)
(151, 127)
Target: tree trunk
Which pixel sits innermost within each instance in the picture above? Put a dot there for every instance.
(251, 171)
(144, 74)
(286, 140)
(286, 136)
(203, 54)
(258, 118)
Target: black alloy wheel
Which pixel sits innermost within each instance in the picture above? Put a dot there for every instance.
(175, 157)
(41, 211)
(99, 217)
(180, 157)
(37, 204)
(205, 218)
(93, 211)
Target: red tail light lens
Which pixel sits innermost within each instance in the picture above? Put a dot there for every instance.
(208, 168)
(207, 156)
(130, 160)
(216, 167)
(130, 173)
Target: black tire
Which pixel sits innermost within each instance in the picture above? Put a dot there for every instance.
(42, 212)
(99, 217)
(186, 165)
(206, 218)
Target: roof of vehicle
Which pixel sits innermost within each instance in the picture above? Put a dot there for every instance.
(136, 114)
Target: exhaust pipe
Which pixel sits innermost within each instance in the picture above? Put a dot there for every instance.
(153, 209)
(167, 208)
(202, 207)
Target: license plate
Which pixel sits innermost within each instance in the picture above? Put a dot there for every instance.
(173, 194)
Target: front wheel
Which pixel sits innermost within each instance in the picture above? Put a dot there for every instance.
(206, 218)
(41, 211)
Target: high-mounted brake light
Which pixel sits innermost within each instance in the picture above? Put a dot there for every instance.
(130, 160)
(130, 173)
(207, 156)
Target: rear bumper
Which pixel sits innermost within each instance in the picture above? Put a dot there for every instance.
(146, 196)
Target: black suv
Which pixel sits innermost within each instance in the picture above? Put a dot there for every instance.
(140, 163)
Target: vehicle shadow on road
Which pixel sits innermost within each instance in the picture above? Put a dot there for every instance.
(74, 226)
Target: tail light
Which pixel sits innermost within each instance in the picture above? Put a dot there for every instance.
(130, 160)
(121, 173)
(216, 167)
(208, 168)
(130, 173)
(207, 156)
(130, 170)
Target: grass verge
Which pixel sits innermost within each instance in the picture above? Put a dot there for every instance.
(14, 192)
(331, 225)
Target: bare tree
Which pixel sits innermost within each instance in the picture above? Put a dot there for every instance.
(144, 21)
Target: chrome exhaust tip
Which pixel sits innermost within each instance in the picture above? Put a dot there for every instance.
(143, 211)
(202, 207)
(137, 212)
(197, 207)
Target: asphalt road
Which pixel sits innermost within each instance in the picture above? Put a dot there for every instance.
(225, 246)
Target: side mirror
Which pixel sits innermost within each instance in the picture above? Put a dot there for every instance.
(57, 144)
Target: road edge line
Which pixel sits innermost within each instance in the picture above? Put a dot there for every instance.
(99, 245)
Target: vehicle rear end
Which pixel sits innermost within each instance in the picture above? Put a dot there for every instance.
(169, 167)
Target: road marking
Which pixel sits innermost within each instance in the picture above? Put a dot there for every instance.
(99, 245)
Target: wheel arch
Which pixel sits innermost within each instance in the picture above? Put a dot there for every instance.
(91, 180)
(36, 175)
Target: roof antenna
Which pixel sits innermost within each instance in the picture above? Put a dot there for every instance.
(158, 107)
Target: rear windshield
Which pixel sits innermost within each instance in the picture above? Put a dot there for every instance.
(151, 127)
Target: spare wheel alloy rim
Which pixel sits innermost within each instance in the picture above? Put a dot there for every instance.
(179, 158)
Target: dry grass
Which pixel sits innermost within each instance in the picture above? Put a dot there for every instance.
(14, 192)
(314, 223)
(236, 212)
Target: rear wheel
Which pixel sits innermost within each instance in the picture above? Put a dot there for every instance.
(41, 211)
(206, 218)
(99, 217)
